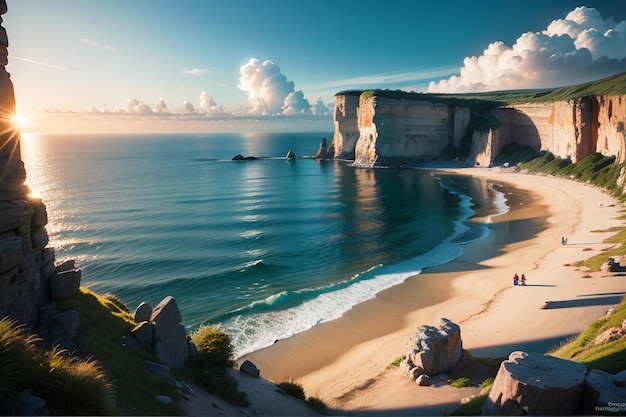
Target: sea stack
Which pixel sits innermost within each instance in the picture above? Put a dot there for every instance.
(26, 265)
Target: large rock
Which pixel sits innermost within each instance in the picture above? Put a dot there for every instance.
(436, 350)
(64, 284)
(170, 338)
(534, 384)
(605, 394)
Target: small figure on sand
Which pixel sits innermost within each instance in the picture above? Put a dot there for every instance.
(563, 240)
(516, 279)
(523, 280)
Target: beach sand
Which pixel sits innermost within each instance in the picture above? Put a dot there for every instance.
(345, 362)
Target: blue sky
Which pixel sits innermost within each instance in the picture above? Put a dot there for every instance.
(147, 56)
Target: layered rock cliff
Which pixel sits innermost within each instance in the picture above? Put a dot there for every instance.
(381, 131)
(26, 264)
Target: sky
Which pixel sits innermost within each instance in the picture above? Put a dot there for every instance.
(77, 61)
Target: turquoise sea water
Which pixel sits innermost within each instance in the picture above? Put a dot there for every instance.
(264, 248)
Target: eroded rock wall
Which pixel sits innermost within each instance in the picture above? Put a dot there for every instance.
(26, 264)
(346, 126)
(609, 114)
(378, 131)
(396, 132)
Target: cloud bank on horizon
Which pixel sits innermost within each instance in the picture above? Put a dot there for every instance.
(580, 48)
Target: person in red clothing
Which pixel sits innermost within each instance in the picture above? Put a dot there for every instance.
(523, 280)
(516, 279)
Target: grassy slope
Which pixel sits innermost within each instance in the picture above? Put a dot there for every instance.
(102, 325)
(615, 85)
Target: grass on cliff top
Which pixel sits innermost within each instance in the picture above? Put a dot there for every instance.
(609, 357)
(103, 322)
(614, 85)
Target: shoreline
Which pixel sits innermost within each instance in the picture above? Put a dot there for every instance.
(344, 361)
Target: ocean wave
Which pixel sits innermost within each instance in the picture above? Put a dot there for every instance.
(287, 313)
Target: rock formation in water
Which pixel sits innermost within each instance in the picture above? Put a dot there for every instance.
(387, 129)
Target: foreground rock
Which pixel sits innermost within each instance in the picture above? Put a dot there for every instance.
(605, 394)
(434, 350)
(535, 384)
(163, 333)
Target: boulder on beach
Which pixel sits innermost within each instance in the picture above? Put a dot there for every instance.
(436, 350)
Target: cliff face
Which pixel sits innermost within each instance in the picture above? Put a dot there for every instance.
(393, 132)
(346, 126)
(25, 263)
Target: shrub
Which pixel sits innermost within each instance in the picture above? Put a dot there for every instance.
(215, 356)
(214, 346)
(317, 405)
(292, 389)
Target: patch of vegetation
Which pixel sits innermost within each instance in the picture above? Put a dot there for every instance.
(215, 357)
(515, 153)
(317, 405)
(293, 389)
(396, 363)
(471, 408)
(609, 357)
(614, 85)
(461, 382)
(102, 327)
(70, 386)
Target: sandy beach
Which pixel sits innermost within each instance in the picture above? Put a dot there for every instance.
(345, 361)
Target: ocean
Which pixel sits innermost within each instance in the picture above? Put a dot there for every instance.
(264, 248)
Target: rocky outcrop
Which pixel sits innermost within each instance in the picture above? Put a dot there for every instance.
(536, 384)
(163, 333)
(325, 151)
(26, 264)
(434, 350)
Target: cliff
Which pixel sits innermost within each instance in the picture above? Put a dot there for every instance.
(26, 264)
(394, 129)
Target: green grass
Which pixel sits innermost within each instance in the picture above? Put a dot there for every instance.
(103, 322)
(609, 357)
(69, 385)
(614, 85)
(396, 363)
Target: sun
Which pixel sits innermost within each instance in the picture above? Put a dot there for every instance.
(20, 120)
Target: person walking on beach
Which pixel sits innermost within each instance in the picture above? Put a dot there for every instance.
(523, 280)
(516, 279)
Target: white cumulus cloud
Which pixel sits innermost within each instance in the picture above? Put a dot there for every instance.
(268, 90)
(579, 48)
(208, 106)
(188, 107)
(160, 106)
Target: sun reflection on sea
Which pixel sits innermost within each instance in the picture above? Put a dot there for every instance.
(42, 178)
